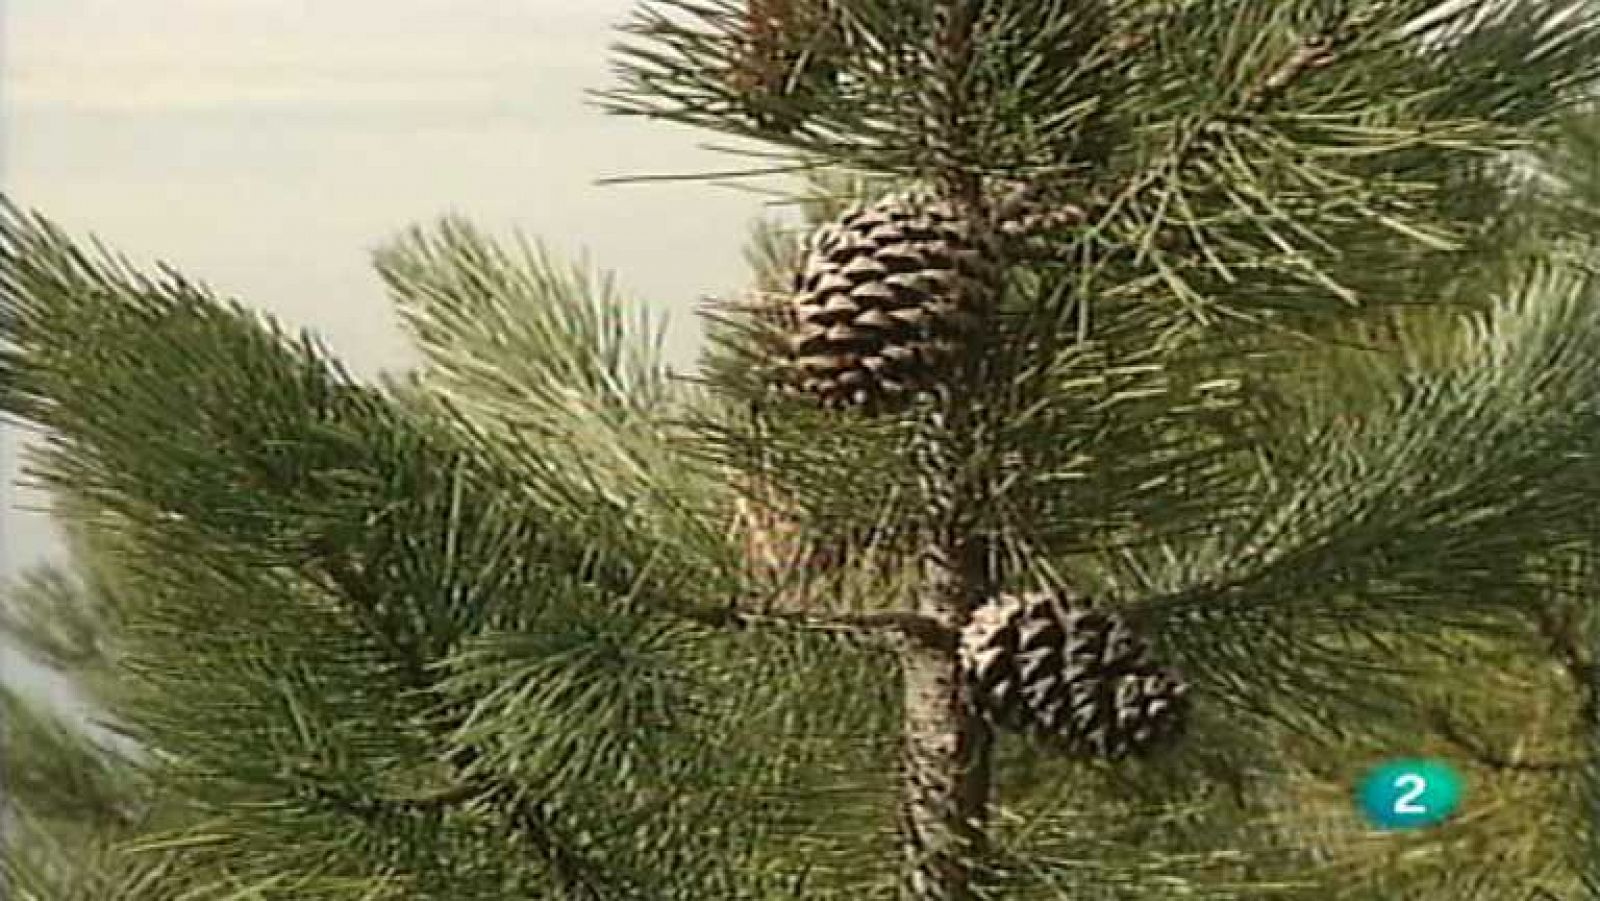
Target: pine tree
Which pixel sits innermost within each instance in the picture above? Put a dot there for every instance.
(1109, 325)
(76, 793)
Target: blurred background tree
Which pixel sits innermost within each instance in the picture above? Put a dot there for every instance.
(79, 793)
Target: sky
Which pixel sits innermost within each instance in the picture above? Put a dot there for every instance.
(266, 147)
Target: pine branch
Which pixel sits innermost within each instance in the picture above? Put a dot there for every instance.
(1480, 753)
(1559, 627)
(1317, 52)
(573, 869)
(1422, 515)
(922, 630)
(373, 807)
(284, 476)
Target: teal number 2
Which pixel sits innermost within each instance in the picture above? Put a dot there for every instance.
(1405, 804)
(1409, 794)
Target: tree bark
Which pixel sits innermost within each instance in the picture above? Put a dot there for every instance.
(947, 750)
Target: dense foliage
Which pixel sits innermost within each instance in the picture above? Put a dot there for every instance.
(1304, 389)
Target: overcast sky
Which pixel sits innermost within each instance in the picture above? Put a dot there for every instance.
(266, 149)
(266, 146)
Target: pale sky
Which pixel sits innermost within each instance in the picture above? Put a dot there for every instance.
(266, 146)
(266, 149)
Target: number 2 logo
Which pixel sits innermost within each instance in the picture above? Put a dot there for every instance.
(1414, 787)
(1410, 794)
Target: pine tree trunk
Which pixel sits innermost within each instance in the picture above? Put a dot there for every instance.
(947, 750)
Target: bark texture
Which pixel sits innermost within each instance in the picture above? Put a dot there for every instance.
(947, 750)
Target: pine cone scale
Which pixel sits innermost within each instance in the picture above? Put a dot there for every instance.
(1071, 675)
(884, 304)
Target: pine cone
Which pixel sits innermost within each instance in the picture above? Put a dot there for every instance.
(1072, 675)
(885, 303)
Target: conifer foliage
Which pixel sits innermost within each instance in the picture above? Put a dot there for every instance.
(1208, 380)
